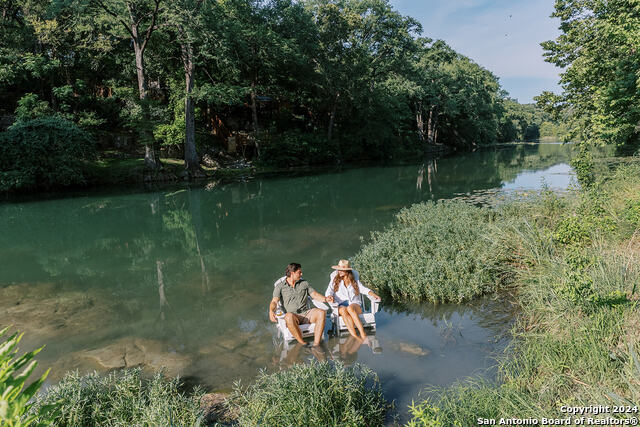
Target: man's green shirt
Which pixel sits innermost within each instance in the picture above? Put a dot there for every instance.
(294, 299)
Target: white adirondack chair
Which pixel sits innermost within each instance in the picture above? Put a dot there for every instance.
(368, 316)
(307, 329)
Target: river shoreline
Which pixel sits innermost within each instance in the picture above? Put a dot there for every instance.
(112, 176)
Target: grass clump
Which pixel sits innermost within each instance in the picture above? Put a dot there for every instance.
(326, 394)
(437, 252)
(123, 398)
(578, 333)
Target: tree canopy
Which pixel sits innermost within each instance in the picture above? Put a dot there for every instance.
(598, 49)
(283, 81)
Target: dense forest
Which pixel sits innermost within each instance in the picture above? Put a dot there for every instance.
(281, 81)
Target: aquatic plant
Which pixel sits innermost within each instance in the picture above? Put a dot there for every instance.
(15, 409)
(315, 394)
(121, 398)
(437, 252)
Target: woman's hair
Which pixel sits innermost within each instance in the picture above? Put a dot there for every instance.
(348, 279)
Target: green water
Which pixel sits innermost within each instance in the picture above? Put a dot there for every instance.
(182, 278)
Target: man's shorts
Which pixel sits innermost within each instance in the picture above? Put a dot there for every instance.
(305, 314)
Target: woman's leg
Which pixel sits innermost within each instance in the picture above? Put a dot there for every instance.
(346, 317)
(355, 311)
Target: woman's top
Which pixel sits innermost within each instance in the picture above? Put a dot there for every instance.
(346, 293)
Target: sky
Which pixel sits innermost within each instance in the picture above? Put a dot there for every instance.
(503, 36)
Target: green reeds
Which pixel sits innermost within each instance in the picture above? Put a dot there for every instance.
(315, 394)
(121, 398)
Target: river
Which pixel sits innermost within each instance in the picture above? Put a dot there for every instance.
(181, 278)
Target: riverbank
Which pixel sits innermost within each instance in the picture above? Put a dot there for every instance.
(573, 271)
(117, 171)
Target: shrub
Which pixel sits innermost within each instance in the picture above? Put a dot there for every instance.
(434, 251)
(14, 398)
(315, 394)
(584, 166)
(576, 287)
(632, 212)
(122, 399)
(31, 107)
(572, 230)
(43, 152)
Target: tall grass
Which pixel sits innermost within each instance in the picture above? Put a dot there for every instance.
(435, 252)
(123, 398)
(316, 394)
(576, 338)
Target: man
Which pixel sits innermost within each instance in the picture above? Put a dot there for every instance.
(294, 291)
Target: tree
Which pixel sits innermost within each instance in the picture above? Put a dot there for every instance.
(138, 19)
(184, 17)
(599, 50)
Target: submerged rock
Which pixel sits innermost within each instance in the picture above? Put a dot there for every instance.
(132, 352)
(407, 347)
(45, 314)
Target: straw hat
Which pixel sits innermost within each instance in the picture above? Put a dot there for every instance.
(343, 265)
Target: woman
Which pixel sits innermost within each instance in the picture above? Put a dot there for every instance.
(345, 289)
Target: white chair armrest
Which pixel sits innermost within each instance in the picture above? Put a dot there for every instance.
(375, 303)
(321, 305)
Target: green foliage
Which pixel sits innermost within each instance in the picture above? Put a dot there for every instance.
(576, 287)
(584, 167)
(632, 212)
(437, 252)
(295, 148)
(327, 394)
(334, 81)
(598, 52)
(31, 107)
(573, 230)
(43, 153)
(424, 415)
(123, 398)
(575, 339)
(527, 122)
(15, 409)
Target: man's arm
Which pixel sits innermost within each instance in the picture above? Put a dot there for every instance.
(272, 309)
(318, 296)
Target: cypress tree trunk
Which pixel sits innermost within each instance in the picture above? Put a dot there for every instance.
(191, 160)
(332, 117)
(431, 126)
(254, 113)
(138, 47)
(420, 121)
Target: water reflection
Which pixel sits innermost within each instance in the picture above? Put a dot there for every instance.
(428, 169)
(342, 347)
